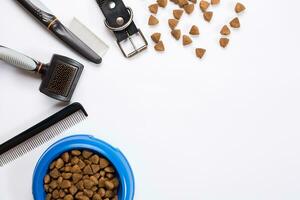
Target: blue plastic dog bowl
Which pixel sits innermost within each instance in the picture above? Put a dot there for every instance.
(117, 159)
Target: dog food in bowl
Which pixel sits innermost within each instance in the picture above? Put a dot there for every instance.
(82, 175)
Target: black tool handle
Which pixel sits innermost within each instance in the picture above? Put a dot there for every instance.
(73, 41)
(43, 14)
(37, 9)
(38, 128)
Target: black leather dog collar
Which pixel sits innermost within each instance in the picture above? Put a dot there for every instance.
(119, 19)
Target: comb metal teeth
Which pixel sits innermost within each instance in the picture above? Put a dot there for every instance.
(42, 138)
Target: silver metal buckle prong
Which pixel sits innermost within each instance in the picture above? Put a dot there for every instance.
(121, 28)
(136, 49)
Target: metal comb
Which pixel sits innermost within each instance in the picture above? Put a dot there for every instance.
(41, 133)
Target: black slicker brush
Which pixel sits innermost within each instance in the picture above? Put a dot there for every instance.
(59, 77)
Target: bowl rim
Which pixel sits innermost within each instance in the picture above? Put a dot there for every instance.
(114, 155)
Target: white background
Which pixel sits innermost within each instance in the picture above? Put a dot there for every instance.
(222, 128)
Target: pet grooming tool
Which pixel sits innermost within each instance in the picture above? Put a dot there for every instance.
(86, 35)
(59, 77)
(119, 20)
(41, 133)
(43, 14)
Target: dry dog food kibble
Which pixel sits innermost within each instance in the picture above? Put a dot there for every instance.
(186, 40)
(162, 3)
(208, 16)
(193, 1)
(203, 5)
(177, 13)
(235, 23)
(172, 23)
(224, 42)
(159, 46)
(194, 30)
(153, 8)
(81, 175)
(200, 52)
(176, 33)
(152, 20)
(155, 37)
(225, 30)
(239, 7)
(189, 8)
(182, 3)
(215, 2)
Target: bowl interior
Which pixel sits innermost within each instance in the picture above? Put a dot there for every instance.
(80, 142)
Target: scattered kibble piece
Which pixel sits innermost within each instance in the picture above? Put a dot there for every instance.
(200, 52)
(224, 42)
(225, 30)
(153, 8)
(194, 30)
(162, 3)
(155, 37)
(239, 7)
(214, 2)
(177, 13)
(159, 46)
(152, 20)
(208, 16)
(176, 33)
(174, 1)
(182, 3)
(193, 1)
(235, 23)
(189, 8)
(203, 5)
(186, 40)
(172, 23)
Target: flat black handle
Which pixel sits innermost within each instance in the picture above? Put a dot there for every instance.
(41, 12)
(44, 16)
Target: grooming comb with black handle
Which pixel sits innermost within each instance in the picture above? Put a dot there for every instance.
(59, 77)
(45, 16)
(41, 133)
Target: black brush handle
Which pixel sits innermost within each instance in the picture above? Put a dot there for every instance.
(41, 12)
(45, 124)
